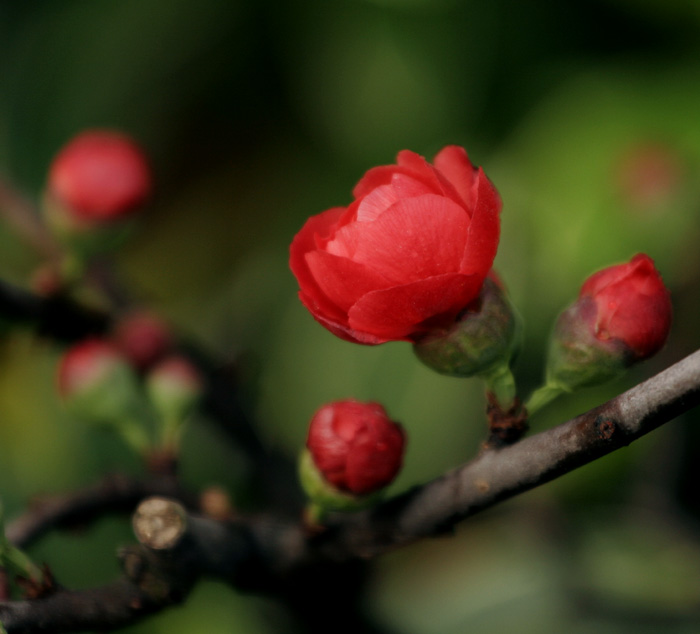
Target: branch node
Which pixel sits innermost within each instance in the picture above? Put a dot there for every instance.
(505, 426)
(159, 523)
(605, 427)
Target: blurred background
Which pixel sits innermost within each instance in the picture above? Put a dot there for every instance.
(586, 116)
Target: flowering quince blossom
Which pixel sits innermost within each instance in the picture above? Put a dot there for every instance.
(633, 305)
(406, 256)
(355, 446)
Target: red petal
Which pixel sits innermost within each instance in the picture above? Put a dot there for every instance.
(396, 313)
(305, 240)
(343, 281)
(415, 239)
(384, 196)
(419, 166)
(454, 164)
(600, 280)
(484, 230)
(376, 203)
(342, 330)
(375, 458)
(382, 175)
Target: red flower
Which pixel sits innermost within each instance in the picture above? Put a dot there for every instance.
(633, 305)
(355, 446)
(100, 175)
(406, 256)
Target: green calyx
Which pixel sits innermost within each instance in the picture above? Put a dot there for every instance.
(576, 357)
(115, 401)
(480, 342)
(15, 559)
(324, 496)
(83, 238)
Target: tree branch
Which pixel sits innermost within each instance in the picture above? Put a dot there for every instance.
(500, 474)
(56, 317)
(114, 494)
(62, 319)
(275, 556)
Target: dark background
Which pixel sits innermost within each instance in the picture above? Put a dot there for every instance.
(586, 116)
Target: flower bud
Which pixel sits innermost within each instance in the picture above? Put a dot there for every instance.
(97, 384)
(143, 338)
(96, 182)
(174, 386)
(482, 338)
(622, 316)
(100, 176)
(353, 450)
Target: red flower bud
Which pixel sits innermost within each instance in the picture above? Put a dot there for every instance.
(633, 305)
(97, 384)
(100, 176)
(355, 446)
(622, 315)
(406, 256)
(174, 386)
(142, 337)
(87, 365)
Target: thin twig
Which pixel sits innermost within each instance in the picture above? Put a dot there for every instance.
(21, 214)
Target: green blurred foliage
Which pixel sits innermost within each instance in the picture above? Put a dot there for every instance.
(257, 115)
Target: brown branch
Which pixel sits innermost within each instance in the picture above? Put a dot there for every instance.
(175, 550)
(97, 609)
(275, 556)
(500, 474)
(64, 320)
(114, 494)
(55, 317)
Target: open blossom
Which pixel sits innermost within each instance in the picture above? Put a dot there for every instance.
(633, 305)
(355, 446)
(406, 256)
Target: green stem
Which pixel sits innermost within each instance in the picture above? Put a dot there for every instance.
(543, 396)
(501, 383)
(170, 432)
(314, 514)
(20, 561)
(72, 268)
(134, 434)
(11, 556)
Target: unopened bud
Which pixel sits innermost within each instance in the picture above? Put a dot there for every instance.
(174, 387)
(353, 450)
(96, 182)
(622, 316)
(142, 337)
(97, 384)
